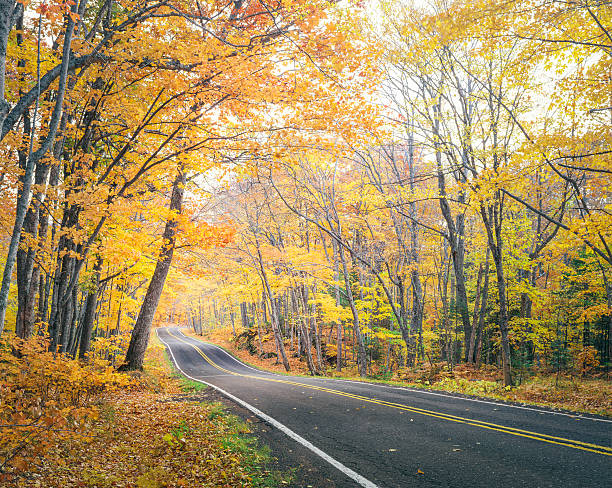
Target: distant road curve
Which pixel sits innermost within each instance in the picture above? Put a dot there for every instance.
(386, 436)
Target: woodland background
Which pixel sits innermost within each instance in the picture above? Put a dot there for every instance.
(375, 189)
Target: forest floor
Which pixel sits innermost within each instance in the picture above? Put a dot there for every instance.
(556, 391)
(160, 431)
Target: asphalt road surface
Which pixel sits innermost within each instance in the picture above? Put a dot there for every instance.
(385, 436)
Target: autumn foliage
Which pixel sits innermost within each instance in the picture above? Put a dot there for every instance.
(471, 226)
(419, 191)
(46, 399)
(66, 424)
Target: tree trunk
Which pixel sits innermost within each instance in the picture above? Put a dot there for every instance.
(23, 199)
(483, 312)
(256, 318)
(6, 16)
(317, 336)
(337, 296)
(608, 287)
(273, 311)
(90, 310)
(243, 316)
(491, 217)
(362, 356)
(45, 283)
(455, 229)
(303, 321)
(470, 357)
(36, 226)
(142, 329)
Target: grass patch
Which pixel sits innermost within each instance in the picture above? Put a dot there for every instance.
(237, 439)
(185, 384)
(255, 457)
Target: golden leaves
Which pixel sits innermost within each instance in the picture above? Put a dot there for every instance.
(46, 397)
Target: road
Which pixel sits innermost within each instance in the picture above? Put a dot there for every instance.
(386, 436)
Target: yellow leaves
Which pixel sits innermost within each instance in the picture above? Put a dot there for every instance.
(42, 392)
(383, 334)
(142, 436)
(329, 310)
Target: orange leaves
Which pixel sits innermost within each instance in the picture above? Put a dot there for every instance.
(45, 397)
(147, 436)
(203, 235)
(53, 10)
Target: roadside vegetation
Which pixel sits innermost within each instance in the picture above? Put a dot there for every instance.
(570, 390)
(71, 424)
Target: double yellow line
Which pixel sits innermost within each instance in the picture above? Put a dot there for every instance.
(584, 446)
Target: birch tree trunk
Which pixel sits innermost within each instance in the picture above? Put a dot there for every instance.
(23, 199)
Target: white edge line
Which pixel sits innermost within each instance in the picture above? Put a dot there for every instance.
(275, 423)
(407, 388)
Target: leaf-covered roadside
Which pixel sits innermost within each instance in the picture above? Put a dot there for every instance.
(147, 433)
(46, 399)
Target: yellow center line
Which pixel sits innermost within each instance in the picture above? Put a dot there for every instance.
(584, 446)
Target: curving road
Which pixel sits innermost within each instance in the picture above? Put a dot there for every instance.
(385, 436)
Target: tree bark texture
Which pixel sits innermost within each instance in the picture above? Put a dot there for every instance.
(139, 340)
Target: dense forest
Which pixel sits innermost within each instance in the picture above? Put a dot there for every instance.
(370, 188)
(473, 226)
(434, 189)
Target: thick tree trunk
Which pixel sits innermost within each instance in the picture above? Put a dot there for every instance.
(139, 340)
